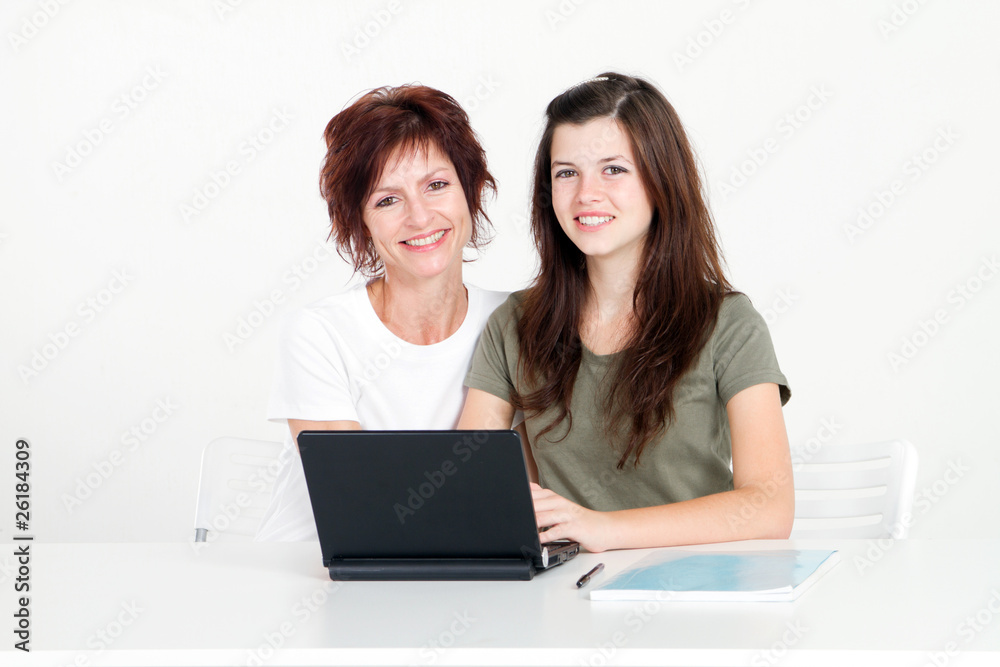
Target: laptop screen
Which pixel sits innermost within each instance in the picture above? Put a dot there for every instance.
(419, 494)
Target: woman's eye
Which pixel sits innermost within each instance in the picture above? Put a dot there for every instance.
(614, 171)
(565, 173)
(437, 185)
(385, 201)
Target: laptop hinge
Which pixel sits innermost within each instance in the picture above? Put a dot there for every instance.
(431, 569)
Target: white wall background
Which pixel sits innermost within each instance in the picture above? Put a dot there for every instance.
(889, 81)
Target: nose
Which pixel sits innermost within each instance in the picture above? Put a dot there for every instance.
(589, 189)
(419, 214)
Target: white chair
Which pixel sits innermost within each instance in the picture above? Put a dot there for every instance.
(237, 476)
(854, 491)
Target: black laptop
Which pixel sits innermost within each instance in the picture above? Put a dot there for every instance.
(424, 505)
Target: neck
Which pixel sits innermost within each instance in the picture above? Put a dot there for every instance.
(422, 312)
(612, 284)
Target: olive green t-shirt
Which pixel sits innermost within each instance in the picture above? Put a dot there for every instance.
(690, 459)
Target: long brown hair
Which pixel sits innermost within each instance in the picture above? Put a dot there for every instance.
(361, 139)
(680, 283)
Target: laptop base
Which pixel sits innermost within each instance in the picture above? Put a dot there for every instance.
(438, 569)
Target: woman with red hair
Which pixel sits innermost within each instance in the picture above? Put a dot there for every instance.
(650, 388)
(404, 179)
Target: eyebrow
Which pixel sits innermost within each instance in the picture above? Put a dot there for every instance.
(430, 174)
(613, 158)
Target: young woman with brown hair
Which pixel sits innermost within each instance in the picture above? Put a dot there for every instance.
(642, 375)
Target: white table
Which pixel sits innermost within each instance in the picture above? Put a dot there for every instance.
(226, 604)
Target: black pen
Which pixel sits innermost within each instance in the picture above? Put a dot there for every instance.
(585, 579)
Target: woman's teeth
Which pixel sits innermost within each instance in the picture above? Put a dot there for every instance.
(427, 240)
(594, 220)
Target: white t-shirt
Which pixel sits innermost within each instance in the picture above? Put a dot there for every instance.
(338, 361)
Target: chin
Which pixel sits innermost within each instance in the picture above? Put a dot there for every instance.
(430, 270)
(592, 249)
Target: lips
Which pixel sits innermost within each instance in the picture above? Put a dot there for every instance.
(594, 220)
(427, 239)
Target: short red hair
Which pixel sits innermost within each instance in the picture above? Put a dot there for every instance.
(361, 138)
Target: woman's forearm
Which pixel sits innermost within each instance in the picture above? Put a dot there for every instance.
(755, 511)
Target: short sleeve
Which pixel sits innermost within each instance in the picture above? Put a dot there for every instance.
(742, 352)
(311, 381)
(491, 367)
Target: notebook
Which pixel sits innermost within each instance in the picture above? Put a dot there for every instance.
(733, 576)
(424, 505)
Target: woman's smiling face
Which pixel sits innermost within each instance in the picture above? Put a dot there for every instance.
(597, 192)
(418, 216)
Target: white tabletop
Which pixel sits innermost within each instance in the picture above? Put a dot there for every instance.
(890, 603)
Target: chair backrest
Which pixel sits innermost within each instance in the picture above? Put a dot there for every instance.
(237, 476)
(853, 491)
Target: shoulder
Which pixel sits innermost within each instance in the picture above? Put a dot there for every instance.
(736, 323)
(348, 300)
(511, 309)
(495, 305)
(742, 350)
(501, 327)
(325, 315)
(485, 300)
(737, 312)
(737, 306)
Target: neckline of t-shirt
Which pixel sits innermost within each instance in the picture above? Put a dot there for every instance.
(605, 359)
(465, 329)
(593, 357)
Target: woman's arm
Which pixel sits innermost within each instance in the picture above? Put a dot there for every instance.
(296, 426)
(529, 458)
(483, 410)
(760, 506)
